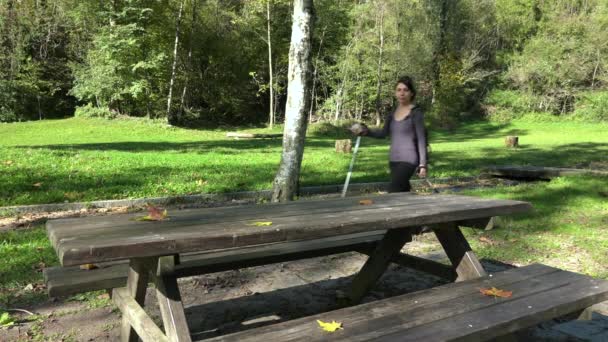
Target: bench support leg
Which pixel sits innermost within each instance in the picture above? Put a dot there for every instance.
(170, 301)
(376, 264)
(137, 283)
(464, 261)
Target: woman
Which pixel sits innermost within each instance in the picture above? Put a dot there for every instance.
(405, 126)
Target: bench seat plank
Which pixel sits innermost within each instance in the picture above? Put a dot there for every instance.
(126, 238)
(455, 311)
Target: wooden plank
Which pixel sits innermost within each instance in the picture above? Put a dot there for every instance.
(206, 214)
(62, 281)
(137, 283)
(510, 316)
(424, 265)
(360, 322)
(253, 135)
(137, 317)
(155, 238)
(377, 262)
(170, 302)
(485, 223)
(274, 253)
(95, 226)
(101, 225)
(456, 247)
(539, 171)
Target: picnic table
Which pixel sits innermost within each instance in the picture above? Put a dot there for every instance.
(235, 237)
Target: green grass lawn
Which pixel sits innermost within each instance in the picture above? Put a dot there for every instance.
(77, 159)
(92, 159)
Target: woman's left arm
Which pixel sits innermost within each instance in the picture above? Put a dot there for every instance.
(420, 138)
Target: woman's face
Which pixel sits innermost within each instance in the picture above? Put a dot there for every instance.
(403, 93)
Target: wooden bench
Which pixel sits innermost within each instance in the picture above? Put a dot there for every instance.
(453, 312)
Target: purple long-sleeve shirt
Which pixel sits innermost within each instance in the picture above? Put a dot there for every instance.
(408, 141)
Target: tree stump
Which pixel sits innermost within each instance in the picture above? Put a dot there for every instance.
(512, 141)
(344, 146)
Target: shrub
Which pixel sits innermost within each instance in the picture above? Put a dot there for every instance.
(591, 106)
(7, 115)
(90, 111)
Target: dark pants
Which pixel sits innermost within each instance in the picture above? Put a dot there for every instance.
(401, 172)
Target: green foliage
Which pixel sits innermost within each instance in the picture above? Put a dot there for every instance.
(89, 111)
(513, 100)
(118, 55)
(6, 320)
(565, 55)
(505, 105)
(330, 130)
(591, 106)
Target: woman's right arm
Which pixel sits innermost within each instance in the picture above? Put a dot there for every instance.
(381, 133)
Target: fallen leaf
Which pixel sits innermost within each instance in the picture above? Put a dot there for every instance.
(39, 184)
(331, 327)
(39, 267)
(494, 292)
(88, 267)
(154, 214)
(103, 296)
(29, 287)
(487, 240)
(366, 202)
(261, 224)
(201, 182)
(8, 162)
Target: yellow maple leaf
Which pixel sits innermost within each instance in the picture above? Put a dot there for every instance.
(331, 327)
(494, 292)
(261, 224)
(154, 214)
(366, 202)
(88, 267)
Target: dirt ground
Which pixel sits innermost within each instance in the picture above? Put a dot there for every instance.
(231, 301)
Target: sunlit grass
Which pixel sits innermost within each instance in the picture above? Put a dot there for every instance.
(92, 159)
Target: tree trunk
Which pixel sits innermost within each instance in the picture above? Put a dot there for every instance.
(189, 60)
(271, 82)
(314, 77)
(380, 62)
(298, 102)
(170, 117)
(441, 49)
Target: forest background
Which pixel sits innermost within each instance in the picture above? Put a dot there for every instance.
(224, 62)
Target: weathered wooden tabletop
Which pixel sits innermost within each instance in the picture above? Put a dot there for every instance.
(106, 238)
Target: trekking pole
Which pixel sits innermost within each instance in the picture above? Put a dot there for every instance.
(350, 168)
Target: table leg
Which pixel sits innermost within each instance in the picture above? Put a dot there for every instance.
(378, 261)
(137, 283)
(170, 301)
(455, 245)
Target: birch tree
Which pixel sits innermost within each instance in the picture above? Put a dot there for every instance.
(170, 117)
(298, 102)
(270, 73)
